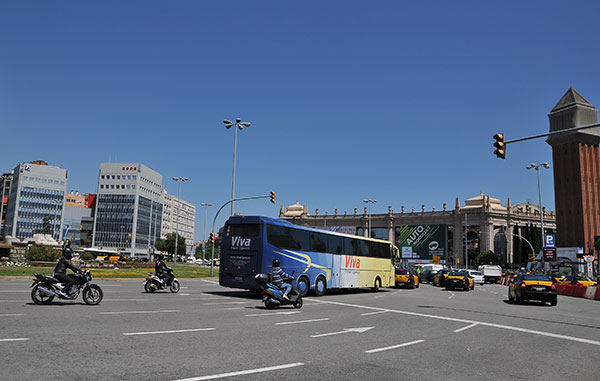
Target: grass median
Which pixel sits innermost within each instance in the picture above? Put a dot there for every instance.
(180, 271)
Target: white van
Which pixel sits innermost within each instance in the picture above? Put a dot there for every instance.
(432, 266)
(476, 275)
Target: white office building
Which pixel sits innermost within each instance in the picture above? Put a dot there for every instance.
(179, 215)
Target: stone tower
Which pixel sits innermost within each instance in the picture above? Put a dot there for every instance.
(576, 164)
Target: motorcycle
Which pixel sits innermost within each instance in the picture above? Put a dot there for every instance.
(153, 283)
(46, 288)
(272, 296)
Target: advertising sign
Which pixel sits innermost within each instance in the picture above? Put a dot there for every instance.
(425, 241)
(549, 254)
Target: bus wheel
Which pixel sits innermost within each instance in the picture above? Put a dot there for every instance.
(303, 285)
(377, 284)
(320, 286)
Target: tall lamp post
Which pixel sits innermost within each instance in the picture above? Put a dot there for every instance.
(537, 168)
(179, 180)
(205, 205)
(369, 202)
(237, 125)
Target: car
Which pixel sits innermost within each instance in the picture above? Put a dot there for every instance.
(532, 287)
(439, 278)
(459, 279)
(427, 276)
(558, 277)
(579, 280)
(407, 278)
(476, 275)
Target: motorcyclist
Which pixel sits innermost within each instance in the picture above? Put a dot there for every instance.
(161, 269)
(60, 271)
(278, 275)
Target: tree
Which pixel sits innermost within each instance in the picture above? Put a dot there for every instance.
(168, 244)
(487, 257)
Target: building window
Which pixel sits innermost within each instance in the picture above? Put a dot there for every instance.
(101, 186)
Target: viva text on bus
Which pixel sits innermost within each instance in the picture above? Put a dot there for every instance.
(319, 260)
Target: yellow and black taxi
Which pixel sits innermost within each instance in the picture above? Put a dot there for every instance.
(459, 279)
(581, 280)
(406, 278)
(558, 277)
(532, 287)
(439, 279)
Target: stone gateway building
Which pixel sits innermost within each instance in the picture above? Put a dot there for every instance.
(482, 223)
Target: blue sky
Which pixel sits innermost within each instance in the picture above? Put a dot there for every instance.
(390, 100)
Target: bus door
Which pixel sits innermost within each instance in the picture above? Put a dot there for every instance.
(335, 271)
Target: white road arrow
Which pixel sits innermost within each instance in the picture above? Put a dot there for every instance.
(346, 330)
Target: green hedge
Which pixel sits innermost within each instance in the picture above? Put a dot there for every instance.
(43, 253)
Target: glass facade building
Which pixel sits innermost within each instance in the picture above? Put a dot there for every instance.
(36, 203)
(129, 208)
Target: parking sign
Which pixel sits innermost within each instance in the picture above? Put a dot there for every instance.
(549, 240)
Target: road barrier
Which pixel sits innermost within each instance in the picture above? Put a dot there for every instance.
(576, 290)
(590, 293)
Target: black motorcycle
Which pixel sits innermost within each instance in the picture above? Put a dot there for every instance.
(46, 288)
(272, 296)
(153, 283)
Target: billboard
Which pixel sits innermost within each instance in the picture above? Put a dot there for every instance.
(421, 241)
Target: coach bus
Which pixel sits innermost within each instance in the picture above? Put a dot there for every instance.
(319, 260)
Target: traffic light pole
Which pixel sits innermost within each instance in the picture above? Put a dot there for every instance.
(212, 257)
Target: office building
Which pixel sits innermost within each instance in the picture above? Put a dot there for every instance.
(36, 201)
(129, 207)
(5, 181)
(180, 216)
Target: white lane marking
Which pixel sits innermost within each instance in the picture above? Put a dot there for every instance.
(465, 328)
(233, 308)
(346, 330)
(183, 294)
(379, 296)
(394, 346)
(18, 339)
(451, 296)
(301, 321)
(172, 331)
(184, 288)
(210, 281)
(373, 313)
(11, 291)
(210, 304)
(507, 327)
(9, 301)
(3, 315)
(124, 300)
(242, 372)
(274, 313)
(494, 292)
(137, 312)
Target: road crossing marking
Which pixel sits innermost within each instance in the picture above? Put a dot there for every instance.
(243, 372)
(17, 339)
(172, 331)
(501, 326)
(394, 346)
(301, 321)
(465, 328)
(137, 312)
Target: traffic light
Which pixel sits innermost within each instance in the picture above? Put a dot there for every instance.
(272, 197)
(211, 238)
(500, 146)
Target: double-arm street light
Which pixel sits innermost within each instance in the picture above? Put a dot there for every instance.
(537, 168)
(179, 180)
(237, 125)
(369, 202)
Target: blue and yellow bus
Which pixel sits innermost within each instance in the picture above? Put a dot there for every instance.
(318, 259)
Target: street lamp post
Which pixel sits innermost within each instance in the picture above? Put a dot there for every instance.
(537, 168)
(205, 205)
(237, 125)
(369, 202)
(179, 180)
(121, 237)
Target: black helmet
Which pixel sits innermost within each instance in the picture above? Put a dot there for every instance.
(68, 252)
(276, 263)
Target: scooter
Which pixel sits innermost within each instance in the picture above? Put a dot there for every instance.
(272, 296)
(153, 283)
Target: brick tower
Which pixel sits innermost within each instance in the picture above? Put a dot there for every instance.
(576, 164)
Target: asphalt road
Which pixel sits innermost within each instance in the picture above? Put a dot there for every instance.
(208, 332)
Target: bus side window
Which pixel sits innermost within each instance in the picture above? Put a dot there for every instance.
(318, 242)
(351, 246)
(336, 245)
(300, 239)
(364, 249)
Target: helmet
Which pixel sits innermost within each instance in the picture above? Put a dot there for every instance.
(68, 252)
(276, 263)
